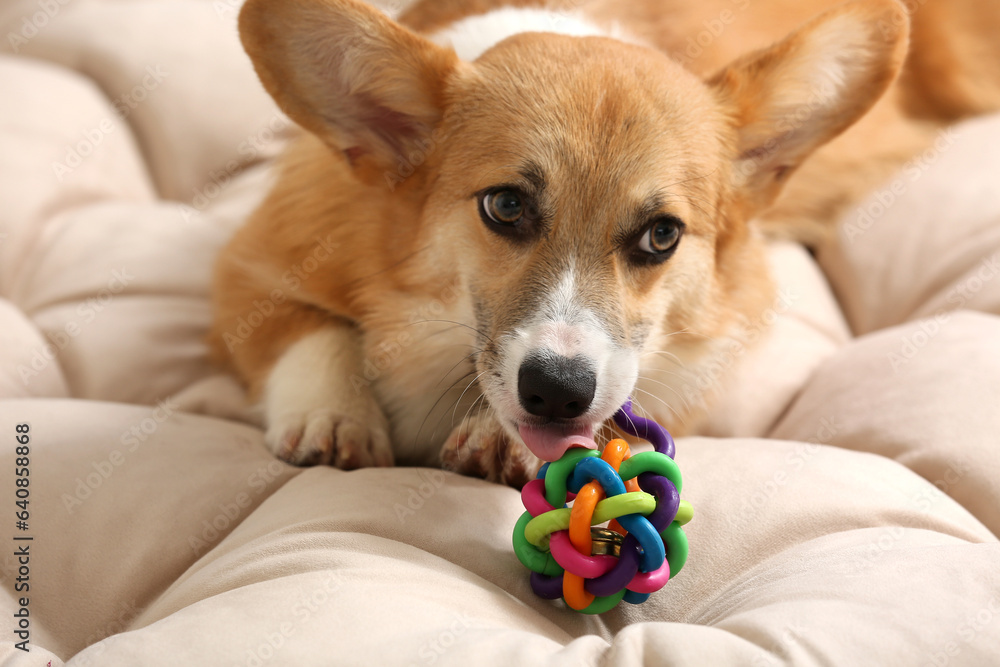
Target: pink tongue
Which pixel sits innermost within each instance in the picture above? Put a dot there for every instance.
(550, 443)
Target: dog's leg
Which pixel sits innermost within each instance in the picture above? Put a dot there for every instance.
(481, 447)
(315, 415)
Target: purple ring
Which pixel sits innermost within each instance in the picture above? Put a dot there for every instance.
(667, 503)
(647, 429)
(547, 588)
(621, 574)
(668, 500)
(574, 562)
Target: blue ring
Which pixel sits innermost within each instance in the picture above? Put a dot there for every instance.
(599, 470)
(653, 551)
(634, 598)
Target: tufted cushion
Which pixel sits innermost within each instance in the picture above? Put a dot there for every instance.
(846, 490)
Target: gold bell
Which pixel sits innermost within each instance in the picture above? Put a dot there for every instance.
(606, 542)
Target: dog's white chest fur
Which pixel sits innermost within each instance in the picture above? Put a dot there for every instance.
(473, 36)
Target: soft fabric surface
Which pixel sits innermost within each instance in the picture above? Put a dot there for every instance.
(847, 495)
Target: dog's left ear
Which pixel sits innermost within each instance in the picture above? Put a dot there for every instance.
(788, 100)
(347, 73)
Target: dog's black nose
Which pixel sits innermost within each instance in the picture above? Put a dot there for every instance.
(556, 387)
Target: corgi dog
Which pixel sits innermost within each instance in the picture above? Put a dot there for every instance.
(503, 218)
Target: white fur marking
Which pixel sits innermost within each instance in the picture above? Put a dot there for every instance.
(313, 409)
(564, 327)
(307, 376)
(473, 36)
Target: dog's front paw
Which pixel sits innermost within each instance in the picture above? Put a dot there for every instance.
(324, 437)
(315, 416)
(480, 447)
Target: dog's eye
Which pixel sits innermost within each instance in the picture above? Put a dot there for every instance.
(503, 207)
(662, 237)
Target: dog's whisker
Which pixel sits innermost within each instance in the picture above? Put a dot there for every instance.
(452, 369)
(605, 432)
(663, 353)
(416, 438)
(686, 332)
(680, 376)
(438, 332)
(696, 202)
(471, 410)
(664, 385)
(679, 416)
(693, 178)
(632, 425)
(479, 332)
(459, 401)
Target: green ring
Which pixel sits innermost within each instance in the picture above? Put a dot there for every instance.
(538, 529)
(558, 474)
(601, 605)
(530, 556)
(676, 543)
(653, 462)
(635, 502)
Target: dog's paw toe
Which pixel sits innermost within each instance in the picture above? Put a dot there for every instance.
(480, 447)
(323, 437)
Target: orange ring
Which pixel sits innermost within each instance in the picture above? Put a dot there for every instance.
(615, 452)
(631, 485)
(582, 515)
(581, 518)
(574, 594)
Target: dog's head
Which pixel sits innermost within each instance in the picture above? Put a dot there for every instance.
(594, 196)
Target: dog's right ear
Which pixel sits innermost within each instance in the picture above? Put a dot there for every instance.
(347, 73)
(791, 98)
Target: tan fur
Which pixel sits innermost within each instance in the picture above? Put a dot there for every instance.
(403, 136)
(952, 72)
